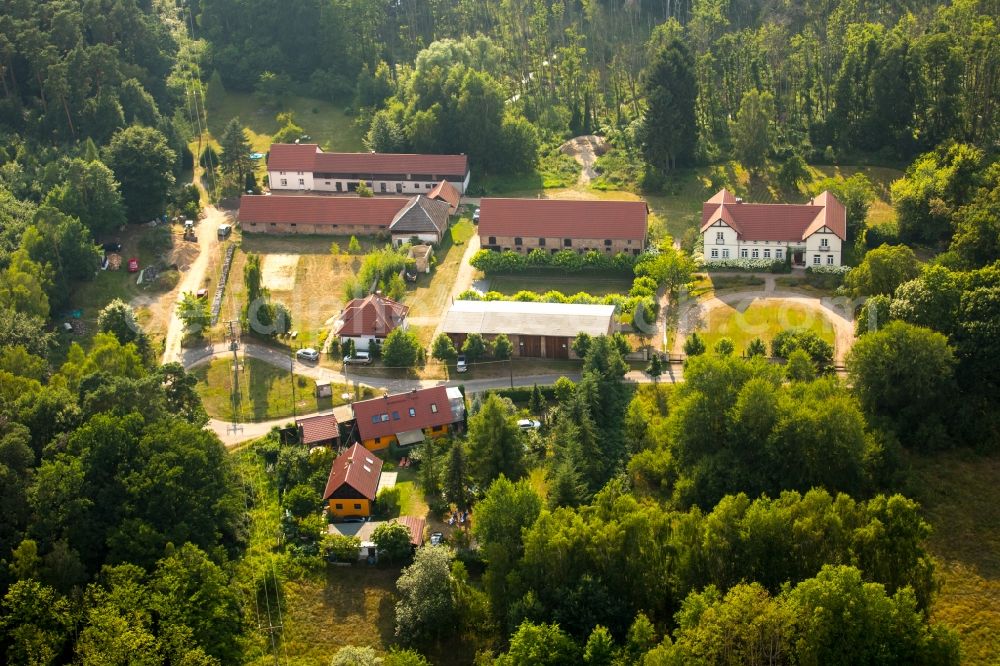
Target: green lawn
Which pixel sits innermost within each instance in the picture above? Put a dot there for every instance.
(960, 494)
(267, 391)
(430, 294)
(325, 122)
(542, 281)
(764, 320)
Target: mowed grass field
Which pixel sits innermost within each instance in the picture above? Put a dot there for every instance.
(542, 281)
(266, 390)
(960, 495)
(429, 295)
(761, 319)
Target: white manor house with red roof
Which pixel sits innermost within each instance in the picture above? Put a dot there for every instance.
(811, 234)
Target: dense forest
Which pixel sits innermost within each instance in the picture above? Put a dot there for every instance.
(748, 515)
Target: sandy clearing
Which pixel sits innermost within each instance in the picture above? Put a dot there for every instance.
(278, 271)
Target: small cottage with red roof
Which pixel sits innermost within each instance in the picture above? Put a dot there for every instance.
(353, 483)
(318, 429)
(810, 234)
(369, 320)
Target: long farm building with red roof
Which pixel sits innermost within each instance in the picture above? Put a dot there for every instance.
(307, 167)
(551, 225)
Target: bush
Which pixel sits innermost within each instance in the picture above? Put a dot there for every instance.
(819, 350)
(508, 261)
(522, 394)
(750, 265)
(826, 277)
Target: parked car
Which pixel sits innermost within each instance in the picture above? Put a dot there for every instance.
(225, 230)
(437, 538)
(410, 275)
(529, 424)
(359, 358)
(475, 216)
(461, 365)
(308, 354)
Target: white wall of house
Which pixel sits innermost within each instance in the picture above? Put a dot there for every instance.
(290, 180)
(721, 242)
(361, 343)
(309, 182)
(428, 238)
(825, 245)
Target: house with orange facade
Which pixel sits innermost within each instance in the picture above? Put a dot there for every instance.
(353, 483)
(405, 419)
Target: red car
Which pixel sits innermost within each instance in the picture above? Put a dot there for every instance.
(133, 265)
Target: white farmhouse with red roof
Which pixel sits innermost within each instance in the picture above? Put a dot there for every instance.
(812, 234)
(305, 166)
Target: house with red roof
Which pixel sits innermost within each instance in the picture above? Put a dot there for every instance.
(810, 234)
(306, 167)
(369, 320)
(408, 418)
(551, 225)
(445, 191)
(318, 429)
(353, 483)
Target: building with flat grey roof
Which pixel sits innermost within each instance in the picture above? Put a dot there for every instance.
(541, 330)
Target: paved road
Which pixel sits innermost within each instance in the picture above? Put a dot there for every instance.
(194, 357)
(208, 240)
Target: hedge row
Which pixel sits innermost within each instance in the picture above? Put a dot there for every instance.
(508, 261)
(750, 265)
(522, 394)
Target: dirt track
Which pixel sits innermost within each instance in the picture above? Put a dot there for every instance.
(207, 231)
(585, 150)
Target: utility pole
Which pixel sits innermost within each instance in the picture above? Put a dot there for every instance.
(235, 398)
(510, 368)
(291, 368)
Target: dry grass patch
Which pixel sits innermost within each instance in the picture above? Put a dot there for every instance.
(960, 494)
(763, 319)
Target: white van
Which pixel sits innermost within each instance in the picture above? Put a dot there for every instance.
(359, 358)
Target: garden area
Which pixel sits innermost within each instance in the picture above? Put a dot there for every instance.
(762, 319)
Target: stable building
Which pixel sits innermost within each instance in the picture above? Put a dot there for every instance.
(538, 330)
(353, 483)
(306, 167)
(311, 214)
(551, 225)
(408, 418)
(810, 234)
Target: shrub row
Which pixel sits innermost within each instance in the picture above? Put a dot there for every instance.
(625, 305)
(750, 265)
(508, 261)
(522, 394)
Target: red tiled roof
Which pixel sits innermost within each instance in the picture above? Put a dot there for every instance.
(374, 211)
(415, 526)
(373, 315)
(384, 417)
(292, 156)
(356, 467)
(318, 428)
(777, 222)
(309, 157)
(563, 218)
(445, 191)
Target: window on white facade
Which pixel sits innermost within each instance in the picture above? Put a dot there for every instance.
(829, 259)
(725, 253)
(284, 181)
(777, 254)
(756, 253)
(767, 254)
(824, 243)
(720, 237)
(743, 253)
(815, 258)
(715, 254)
